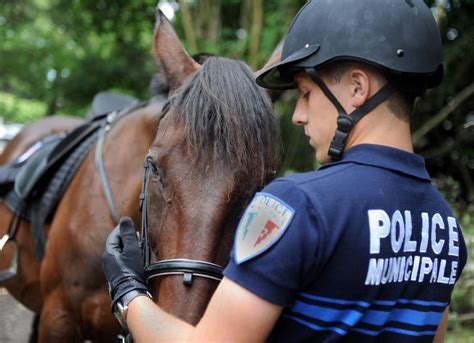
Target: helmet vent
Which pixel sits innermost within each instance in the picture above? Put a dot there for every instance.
(400, 52)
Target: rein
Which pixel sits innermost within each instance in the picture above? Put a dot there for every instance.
(186, 267)
(106, 125)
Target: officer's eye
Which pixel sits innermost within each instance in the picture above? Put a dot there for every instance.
(305, 95)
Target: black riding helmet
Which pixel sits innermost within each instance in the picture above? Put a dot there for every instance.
(398, 36)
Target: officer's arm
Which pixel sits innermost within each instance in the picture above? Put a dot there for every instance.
(234, 314)
(439, 336)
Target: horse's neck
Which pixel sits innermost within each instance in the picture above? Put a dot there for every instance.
(137, 129)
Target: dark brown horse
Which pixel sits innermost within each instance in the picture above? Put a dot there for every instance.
(25, 286)
(216, 145)
(67, 289)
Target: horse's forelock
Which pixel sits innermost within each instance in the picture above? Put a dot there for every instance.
(223, 109)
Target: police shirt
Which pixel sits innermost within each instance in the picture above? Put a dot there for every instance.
(364, 249)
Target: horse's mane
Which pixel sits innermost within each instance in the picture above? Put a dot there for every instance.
(222, 108)
(158, 83)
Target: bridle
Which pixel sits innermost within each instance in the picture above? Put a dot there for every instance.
(186, 267)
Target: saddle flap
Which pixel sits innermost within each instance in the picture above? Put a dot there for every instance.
(35, 167)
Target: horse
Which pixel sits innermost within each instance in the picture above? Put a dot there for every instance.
(24, 287)
(215, 143)
(59, 295)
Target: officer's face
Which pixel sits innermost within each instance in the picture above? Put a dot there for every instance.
(317, 114)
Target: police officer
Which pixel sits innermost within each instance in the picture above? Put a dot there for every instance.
(363, 249)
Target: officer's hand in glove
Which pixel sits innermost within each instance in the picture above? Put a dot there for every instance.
(123, 264)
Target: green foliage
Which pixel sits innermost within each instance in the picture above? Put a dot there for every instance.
(18, 110)
(64, 52)
(56, 54)
(462, 302)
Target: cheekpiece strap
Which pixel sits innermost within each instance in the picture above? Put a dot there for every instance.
(316, 79)
(345, 122)
(144, 244)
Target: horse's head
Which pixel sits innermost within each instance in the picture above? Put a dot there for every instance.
(217, 144)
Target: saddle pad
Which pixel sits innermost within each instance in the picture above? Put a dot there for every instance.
(45, 206)
(44, 178)
(64, 175)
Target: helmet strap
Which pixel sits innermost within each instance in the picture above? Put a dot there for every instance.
(345, 122)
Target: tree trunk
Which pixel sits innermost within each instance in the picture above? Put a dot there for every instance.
(188, 26)
(245, 15)
(257, 22)
(202, 17)
(435, 120)
(214, 25)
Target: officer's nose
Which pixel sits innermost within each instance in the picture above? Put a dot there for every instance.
(300, 113)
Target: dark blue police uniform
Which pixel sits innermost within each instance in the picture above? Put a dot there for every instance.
(364, 249)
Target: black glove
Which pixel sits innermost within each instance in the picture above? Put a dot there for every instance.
(123, 262)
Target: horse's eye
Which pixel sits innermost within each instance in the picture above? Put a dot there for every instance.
(157, 178)
(156, 173)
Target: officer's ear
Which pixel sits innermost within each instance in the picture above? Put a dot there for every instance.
(363, 82)
(361, 85)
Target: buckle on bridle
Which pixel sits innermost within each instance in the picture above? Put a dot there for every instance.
(188, 268)
(12, 270)
(4, 241)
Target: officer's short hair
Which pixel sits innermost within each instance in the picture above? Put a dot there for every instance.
(400, 103)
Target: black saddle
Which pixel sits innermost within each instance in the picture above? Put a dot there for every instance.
(33, 165)
(102, 104)
(33, 185)
(40, 180)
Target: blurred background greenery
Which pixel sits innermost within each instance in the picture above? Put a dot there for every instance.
(56, 54)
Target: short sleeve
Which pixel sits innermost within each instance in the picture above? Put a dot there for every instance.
(276, 270)
(463, 254)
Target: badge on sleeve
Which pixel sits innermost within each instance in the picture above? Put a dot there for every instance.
(262, 225)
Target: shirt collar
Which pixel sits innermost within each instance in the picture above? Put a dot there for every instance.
(386, 157)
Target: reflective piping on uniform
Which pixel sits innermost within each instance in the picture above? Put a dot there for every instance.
(351, 317)
(343, 332)
(348, 317)
(422, 303)
(336, 301)
(368, 332)
(405, 316)
(396, 330)
(313, 326)
(376, 302)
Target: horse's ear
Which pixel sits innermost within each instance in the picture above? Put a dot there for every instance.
(170, 54)
(274, 59)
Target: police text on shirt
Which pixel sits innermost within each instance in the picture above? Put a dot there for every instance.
(428, 258)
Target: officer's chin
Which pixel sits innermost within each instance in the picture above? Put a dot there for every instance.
(322, 157)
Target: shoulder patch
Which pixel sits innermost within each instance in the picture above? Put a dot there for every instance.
(264, 222)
